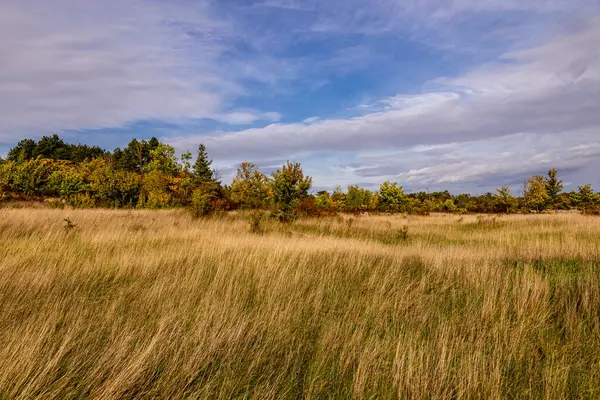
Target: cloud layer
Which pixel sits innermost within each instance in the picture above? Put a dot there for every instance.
(551, 89)
(511, 87)
(70, 64)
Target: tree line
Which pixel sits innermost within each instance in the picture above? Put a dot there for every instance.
(148, 174)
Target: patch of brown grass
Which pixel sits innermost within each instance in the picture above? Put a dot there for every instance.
(140, 304)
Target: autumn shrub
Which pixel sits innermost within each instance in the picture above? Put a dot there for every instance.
(204, 200)
(250, 189)
(307, 206)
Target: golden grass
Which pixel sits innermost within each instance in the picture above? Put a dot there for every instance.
(146, 304)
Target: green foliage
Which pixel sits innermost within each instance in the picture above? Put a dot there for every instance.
(82, 200)
(324, 202)
(391, 197)
(23, 151)
(250, 188)
(505, 199)
(204, 200)
(449, 206)
(55, 148)
(6, 175)
(289, 186)
(585, 199)
(148, 174)
(155, 190)
(136, 156)
(358, 199)
(535, 194)
(202, 171)
(339, 199)
(67, 182)
(33, 177)
(162, 159)
(186, 161)
(553, 187)
(112, 186)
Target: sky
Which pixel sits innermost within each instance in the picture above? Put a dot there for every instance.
(464, 95)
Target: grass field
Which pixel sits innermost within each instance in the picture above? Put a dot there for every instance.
(145, 304)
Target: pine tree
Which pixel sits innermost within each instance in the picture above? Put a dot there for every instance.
(202, 170)
(553, 187)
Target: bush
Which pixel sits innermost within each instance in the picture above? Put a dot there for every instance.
(204, 200)
(307, 206)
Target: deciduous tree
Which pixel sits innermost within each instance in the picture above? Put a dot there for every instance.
(534, 193)
(250, 188)
(289, 186)
(391, 197)
(505, 199)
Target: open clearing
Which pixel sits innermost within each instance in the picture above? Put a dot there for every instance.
(142, 304)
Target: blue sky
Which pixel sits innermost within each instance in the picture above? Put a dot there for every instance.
(466, 95)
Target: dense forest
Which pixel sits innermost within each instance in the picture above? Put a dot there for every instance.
(148, 174)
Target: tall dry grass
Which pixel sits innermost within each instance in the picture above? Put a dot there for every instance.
(142, 304)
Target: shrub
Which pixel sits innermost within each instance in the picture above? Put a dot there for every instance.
(307, 206)
(204, 200)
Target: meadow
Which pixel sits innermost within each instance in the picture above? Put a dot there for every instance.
(147, 304)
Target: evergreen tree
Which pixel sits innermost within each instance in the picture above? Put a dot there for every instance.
(202, 171)
(136, 156)
(51, 147)
(553, 187)
(23, 151)
(585, 198)
(55, 148)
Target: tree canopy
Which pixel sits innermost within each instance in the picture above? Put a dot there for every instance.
(148, 173)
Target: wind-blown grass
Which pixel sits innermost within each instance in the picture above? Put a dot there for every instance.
(143, 304)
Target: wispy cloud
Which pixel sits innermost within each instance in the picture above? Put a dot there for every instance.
(80, 65)
(552, 89)
(246, 117)
(421, 80)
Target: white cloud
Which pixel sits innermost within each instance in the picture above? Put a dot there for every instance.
(311, 120)
(483, 164)
(246, 117)
(551, 90)
(70, 64)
